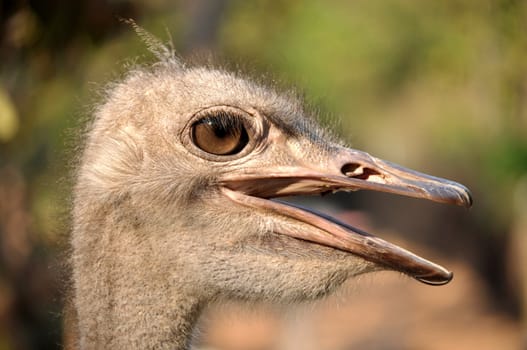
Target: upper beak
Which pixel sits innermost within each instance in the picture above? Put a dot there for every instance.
(380, 175)
(347, 170)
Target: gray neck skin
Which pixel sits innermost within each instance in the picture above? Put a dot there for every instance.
(125, 296)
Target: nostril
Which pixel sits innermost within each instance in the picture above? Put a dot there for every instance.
(357, 171)
(367, 172)
(349, 168)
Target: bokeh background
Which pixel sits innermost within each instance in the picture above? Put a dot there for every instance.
(439, 86)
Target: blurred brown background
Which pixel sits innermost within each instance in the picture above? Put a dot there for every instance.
(437, 86)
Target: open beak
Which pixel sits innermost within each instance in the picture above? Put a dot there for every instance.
(347, 170)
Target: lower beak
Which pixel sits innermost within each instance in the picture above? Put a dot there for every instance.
(347, 170)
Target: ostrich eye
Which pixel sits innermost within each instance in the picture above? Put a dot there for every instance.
(220, 134)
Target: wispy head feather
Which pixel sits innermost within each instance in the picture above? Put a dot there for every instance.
(165, 53)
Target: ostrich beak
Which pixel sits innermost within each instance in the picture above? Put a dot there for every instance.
(345, 170)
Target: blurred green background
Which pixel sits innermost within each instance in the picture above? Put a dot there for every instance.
(439, 86)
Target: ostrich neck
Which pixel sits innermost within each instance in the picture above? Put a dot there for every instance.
(124, 298)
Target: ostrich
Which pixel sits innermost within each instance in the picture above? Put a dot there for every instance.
(174, 206)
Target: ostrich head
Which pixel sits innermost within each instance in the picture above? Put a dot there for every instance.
(175, 205)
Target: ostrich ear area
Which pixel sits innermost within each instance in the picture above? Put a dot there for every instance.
(348, 170)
